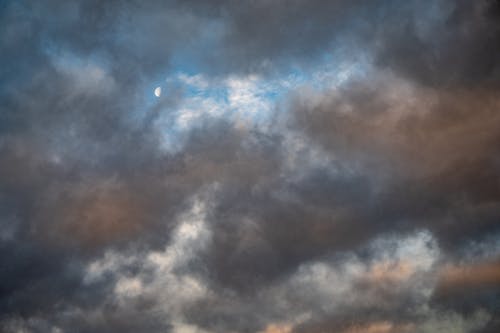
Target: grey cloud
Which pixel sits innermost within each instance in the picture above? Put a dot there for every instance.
(422, 142)
(85, 179)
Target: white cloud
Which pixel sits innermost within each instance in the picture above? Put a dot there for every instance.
(404, 266)
(158, 278)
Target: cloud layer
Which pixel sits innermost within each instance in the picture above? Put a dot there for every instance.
(309, 166)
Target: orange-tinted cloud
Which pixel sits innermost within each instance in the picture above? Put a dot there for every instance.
(470, 276)
(277, 328)
(379, 327)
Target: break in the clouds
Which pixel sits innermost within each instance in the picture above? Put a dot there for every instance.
(250, 166)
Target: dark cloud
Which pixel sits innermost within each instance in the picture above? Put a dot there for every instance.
(368, 204)
(442, 144)
(456, 48)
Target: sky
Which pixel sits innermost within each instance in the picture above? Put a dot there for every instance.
(254, 166)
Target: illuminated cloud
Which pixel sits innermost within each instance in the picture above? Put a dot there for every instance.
(250, 167)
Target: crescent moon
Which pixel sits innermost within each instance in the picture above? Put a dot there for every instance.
(158, 91)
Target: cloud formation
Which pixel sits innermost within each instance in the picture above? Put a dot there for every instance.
(309, 166)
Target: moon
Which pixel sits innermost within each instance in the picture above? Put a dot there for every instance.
(158, 91)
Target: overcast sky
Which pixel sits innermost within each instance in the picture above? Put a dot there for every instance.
(264, 166)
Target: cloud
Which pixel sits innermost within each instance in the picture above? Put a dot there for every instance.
(413, 140)
(310, 166)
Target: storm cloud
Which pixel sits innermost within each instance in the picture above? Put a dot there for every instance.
(309, 166)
